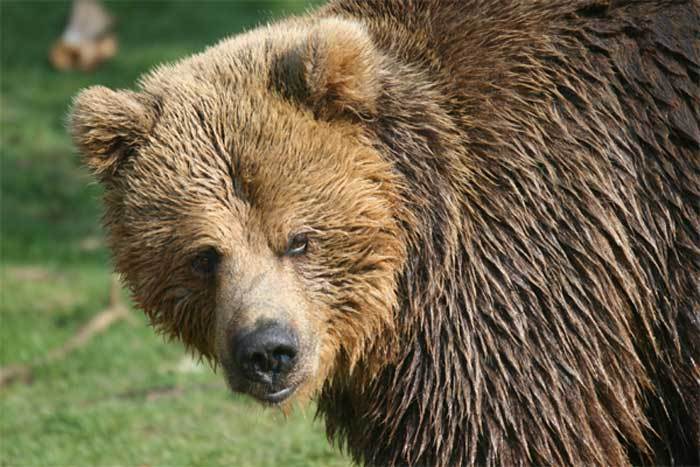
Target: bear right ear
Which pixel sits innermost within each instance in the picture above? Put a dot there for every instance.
(334, 70)
(107, 126)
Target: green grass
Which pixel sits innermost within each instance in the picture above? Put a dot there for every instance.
(127, 397)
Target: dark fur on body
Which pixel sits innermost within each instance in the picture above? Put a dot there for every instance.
(550, 306)
(504, 198)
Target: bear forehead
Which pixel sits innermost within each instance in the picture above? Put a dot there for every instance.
(238, 154)
(251, 135)
(223, 100)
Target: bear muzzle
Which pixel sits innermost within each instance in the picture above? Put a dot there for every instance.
(264, 360)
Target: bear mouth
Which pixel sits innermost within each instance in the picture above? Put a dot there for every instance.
(271, 393)
(277, 396)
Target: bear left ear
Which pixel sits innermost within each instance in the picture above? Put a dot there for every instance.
(107, 126)
(334, 71)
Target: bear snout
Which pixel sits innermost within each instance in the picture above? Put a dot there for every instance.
(265, 357)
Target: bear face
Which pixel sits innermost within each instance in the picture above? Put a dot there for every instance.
(246, 210)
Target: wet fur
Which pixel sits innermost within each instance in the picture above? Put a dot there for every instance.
(551, 302)
(535, 290)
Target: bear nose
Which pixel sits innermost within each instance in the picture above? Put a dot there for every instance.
(267, 354)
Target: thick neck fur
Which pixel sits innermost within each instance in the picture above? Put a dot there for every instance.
(536, 316)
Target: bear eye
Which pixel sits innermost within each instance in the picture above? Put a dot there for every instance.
(206, 262)
(297, 245)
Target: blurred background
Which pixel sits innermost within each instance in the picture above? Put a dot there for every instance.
(83, 379)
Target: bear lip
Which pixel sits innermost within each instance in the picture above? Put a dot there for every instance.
(279, 396)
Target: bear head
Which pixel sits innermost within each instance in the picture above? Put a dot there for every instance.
(248, 209)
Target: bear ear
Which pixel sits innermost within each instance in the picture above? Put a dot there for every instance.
(107, 126)
(335, 70)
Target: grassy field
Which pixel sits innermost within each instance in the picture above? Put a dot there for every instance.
(126, 397)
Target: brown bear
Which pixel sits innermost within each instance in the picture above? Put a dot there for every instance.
(469, 229)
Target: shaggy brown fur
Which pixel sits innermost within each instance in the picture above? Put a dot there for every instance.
(504, 204)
